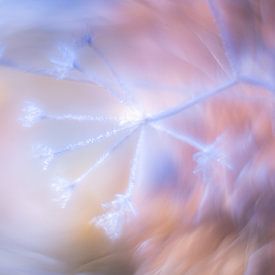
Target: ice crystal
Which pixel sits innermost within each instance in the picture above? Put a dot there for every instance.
(211, 153)
(117, 213)
(64, 62)
(44, 153)
(31, 114)
(64, 190)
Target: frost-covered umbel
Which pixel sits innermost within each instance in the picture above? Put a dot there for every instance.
(191, 86)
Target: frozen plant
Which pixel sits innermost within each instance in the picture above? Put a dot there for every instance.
(175, 71)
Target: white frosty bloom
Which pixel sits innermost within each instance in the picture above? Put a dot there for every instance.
(64, 190)
(210, 156)
(64, 62)
(113, 220)
(45, 153)
(111, 223)
(131, 116)
(31, 114)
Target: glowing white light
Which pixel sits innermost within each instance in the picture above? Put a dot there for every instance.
(132, 116)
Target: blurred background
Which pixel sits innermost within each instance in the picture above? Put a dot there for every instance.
(195, 78)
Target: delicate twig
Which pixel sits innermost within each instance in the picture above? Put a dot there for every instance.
(186, 105)
(48, 154)
(105, 156)
(182, 137)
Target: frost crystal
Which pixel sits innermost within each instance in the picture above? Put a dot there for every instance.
(117, 214)
(31, 114)
(65, 62)
(64, 190)
(45, 154)
(211, 153)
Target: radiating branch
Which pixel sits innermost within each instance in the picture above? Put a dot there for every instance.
(186, 105)
(49, 154)
(181, 137)
(105, 156)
